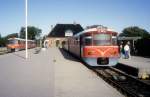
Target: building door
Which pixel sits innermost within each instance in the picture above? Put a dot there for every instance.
(57, 43)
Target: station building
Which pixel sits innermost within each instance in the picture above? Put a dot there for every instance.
(60, 32)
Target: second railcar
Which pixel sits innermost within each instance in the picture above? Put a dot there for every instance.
(16, 44)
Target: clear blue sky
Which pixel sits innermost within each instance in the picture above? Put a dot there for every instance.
(116, 14)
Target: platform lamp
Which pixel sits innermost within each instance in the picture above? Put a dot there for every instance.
(26, 26)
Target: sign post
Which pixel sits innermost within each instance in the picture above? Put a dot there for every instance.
(26, 26)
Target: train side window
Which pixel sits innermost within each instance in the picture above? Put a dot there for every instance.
(114, 40)
(19, 42)
(29, 42)
(76, 41)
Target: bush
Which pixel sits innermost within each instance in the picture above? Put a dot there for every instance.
(143, 47)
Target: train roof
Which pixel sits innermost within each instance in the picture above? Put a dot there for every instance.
(96, 30)
(20, 39)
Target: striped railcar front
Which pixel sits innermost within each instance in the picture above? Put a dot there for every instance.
(100, 51)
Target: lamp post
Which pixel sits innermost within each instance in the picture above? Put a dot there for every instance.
(26, 26)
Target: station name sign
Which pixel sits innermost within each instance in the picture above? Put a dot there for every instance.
(68, 33)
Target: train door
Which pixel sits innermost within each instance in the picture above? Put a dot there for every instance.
(77, 46)
(80, 44)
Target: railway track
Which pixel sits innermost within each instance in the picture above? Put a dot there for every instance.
(126, 84)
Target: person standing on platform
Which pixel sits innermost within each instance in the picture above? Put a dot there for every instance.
(127, 50)
(129, 54)
(121, 50)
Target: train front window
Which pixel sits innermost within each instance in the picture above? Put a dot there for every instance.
(12, 42)
(88, 40)
(102, 39)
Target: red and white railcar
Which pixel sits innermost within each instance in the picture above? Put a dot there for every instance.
(16, 44)
(95, 46)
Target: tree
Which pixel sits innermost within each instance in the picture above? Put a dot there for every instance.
(33, 32)
(13, 35)
(3, 41)
(135, 32)
(22, 33)
(0, 40)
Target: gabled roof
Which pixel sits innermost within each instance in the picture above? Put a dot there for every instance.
(60, 29)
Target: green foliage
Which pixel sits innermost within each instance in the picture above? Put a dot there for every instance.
(3, 41)
(33, 32)
(135, 32)
(13, 35)
(22, 32)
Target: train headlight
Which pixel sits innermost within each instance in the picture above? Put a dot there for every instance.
(91, 53)
(114, 53)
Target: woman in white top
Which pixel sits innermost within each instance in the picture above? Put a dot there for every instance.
(127, 50)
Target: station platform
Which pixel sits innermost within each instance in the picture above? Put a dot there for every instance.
(140, 63)
(50, 73)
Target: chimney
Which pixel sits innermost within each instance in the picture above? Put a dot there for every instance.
(74, 22)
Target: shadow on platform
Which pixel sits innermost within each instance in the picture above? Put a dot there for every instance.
(19, 55)
(128, 69)
(68, 56)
